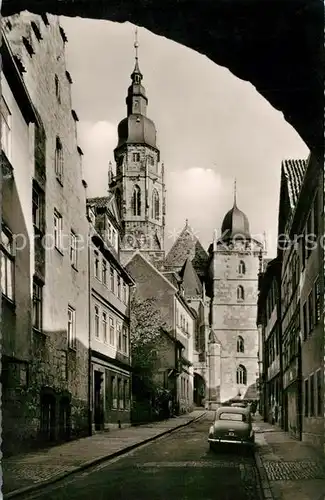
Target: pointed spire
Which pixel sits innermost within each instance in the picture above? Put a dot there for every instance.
(235, 192)
(136, 75)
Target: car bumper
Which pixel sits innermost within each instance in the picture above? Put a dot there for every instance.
(230, 441)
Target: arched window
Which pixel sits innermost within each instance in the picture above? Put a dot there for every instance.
(136, 201)
(155, 205)
(240, 344)
(241, 375)
(241, 267)
(240, 293)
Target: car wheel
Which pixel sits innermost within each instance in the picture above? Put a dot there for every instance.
(212, 447)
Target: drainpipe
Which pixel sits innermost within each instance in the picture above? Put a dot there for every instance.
(90, 427)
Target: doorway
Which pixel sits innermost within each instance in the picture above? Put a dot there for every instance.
(98, 401)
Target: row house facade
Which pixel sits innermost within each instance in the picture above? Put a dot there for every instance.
(18, 122)
(268, 314)
(109, 327)
(180, 320)
(55, 380)
(300, 309)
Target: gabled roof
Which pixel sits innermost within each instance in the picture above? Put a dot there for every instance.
(190, 280)
(139, 254)
(186, 246)
(294, 171)
(108, 202)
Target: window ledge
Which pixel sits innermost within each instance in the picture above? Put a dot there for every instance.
(59, 251)
(60, 181)
(39, 332)
(11, 303)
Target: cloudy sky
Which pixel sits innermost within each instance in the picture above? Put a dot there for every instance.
(211, 126)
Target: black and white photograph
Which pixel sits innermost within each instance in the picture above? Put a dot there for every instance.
(162, 250)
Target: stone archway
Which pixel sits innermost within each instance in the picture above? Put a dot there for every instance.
(199, 390)
(277, 46)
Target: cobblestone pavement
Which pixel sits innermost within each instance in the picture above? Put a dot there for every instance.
(179, 466)
(290, 471)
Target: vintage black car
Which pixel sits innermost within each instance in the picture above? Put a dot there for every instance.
(232, 425)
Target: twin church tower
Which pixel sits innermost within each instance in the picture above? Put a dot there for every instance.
(222, 279)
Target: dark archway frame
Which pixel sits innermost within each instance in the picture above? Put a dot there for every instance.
(277, 45)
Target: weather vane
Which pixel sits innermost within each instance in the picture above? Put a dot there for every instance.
(136, 43)
(235, 188)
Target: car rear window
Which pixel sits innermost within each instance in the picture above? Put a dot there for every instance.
(239, 417)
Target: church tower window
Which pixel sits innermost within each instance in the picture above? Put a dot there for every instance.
(241, 375)
(240, 344)
(136, 157)
(136, 201)
(155, 205)
(240, 293)
(242, 267)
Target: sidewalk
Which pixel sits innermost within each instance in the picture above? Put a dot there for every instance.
(289, 469)
(33, 470)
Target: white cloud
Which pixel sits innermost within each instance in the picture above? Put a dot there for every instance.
(97, 140)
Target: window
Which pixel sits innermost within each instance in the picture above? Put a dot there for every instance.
(125, 340)
(114, 391)
(73, 249)
(57, 88)
(112, 280)
(72, 340)
(7, 264)
(96, 264)
(235, 417)
(306, 398)
(120, 390)
(40, 147)
(310, 312)
(114, 238)
(136, 157)
(124, 293)
(111, 331)
(240, 344)
(119, 286)
(136, 201)
(241, 375)
(303, 249)
(57, 230)
(317, 310)
(104, 320)
(312, 395)
(97, 321)
(242, 267)
(58, 160)
(316, 215)
(305, 322)
(240, 293)
(37, 305)
(319, 394)
(119, 336)
(309, 235)
(37, 207)
(155, 205)
(104, 272)
(5, 128)
(126, 394)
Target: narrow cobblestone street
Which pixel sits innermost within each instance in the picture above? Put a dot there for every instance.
(178, 466)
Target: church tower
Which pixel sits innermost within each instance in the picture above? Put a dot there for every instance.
(139, 181)
(233, 276)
